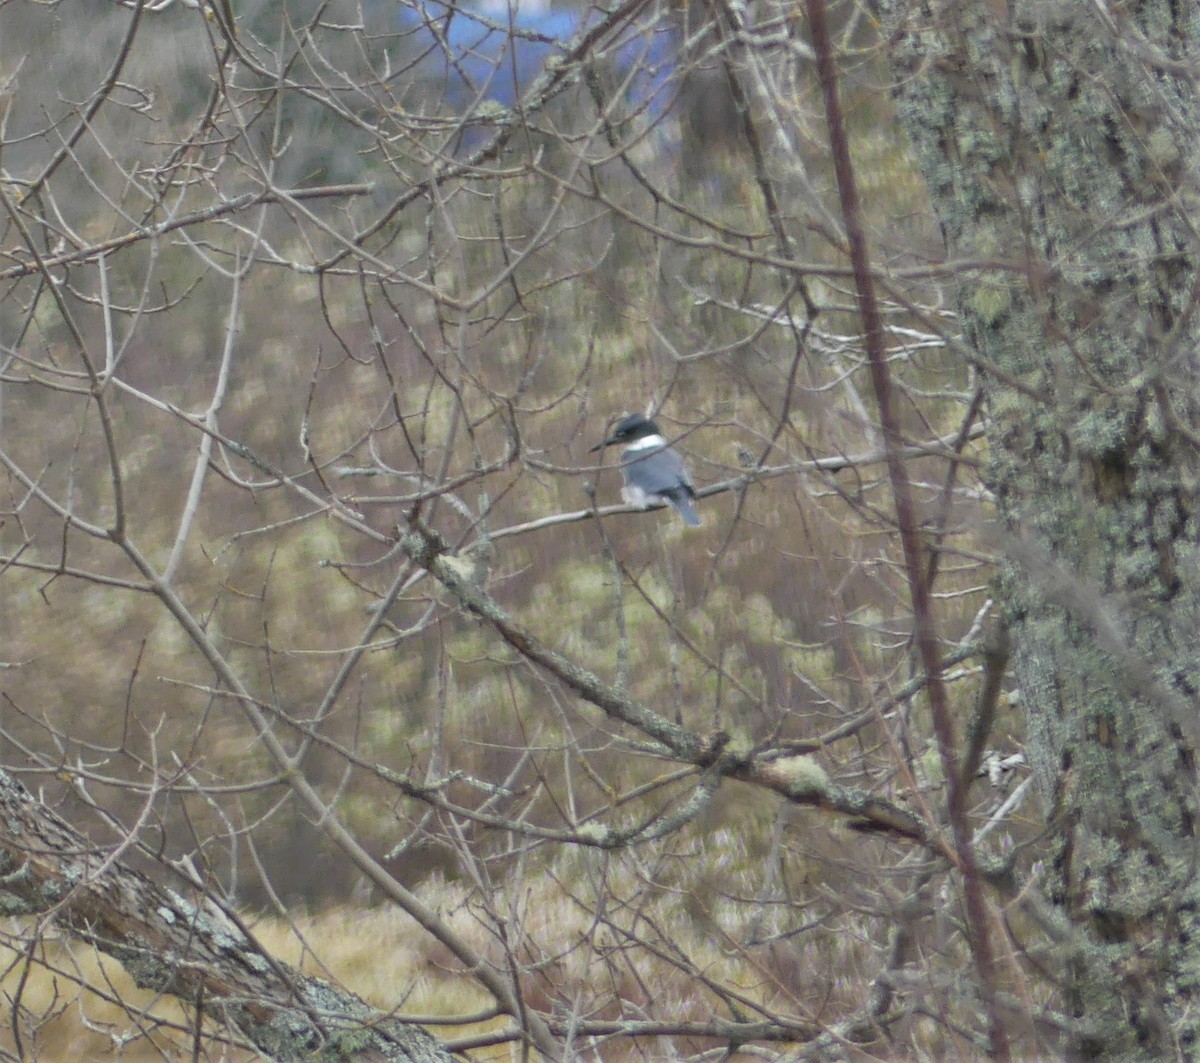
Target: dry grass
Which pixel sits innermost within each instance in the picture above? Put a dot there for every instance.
(80, 1005)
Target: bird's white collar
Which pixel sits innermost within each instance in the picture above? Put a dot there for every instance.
(646, 442)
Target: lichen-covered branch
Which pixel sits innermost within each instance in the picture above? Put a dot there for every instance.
(189, 950)
(799, 779)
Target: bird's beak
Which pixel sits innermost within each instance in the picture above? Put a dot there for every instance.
(601, 445)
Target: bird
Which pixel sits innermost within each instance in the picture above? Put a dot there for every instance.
(653, 472)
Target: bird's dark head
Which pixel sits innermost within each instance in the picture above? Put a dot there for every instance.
(628, 430)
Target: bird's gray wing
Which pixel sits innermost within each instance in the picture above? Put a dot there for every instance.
(656, 471)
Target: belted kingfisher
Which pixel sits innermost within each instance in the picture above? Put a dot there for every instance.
(653, 472)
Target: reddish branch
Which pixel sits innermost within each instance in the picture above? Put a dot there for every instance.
(906, 520)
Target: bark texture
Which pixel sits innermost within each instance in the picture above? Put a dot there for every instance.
(190, 951)
(1059, 142)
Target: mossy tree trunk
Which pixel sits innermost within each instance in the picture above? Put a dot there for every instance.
(1059, 142)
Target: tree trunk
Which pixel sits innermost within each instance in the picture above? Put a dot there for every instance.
(192, 951)
(1059, 142)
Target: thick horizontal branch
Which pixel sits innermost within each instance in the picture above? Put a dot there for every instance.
(192, 951)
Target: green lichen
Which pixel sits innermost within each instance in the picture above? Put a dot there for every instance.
(803, 776)
(990, 303)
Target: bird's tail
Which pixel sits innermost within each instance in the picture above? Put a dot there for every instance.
(687, 509)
